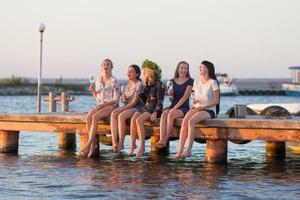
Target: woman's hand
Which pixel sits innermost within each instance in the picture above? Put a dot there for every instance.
(116, 112)
(198, 108)
(92, 88)
(153, 117)
(99, 107)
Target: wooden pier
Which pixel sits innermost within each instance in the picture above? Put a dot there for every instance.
(216, 132)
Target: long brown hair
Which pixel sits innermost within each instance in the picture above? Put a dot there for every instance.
(176, 75)
(212, 75)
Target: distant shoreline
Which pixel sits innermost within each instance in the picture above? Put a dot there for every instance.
(80, 86)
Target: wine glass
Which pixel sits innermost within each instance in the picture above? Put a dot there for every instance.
(92, 79)
(170, 85)
(193, 98)
(123, 89)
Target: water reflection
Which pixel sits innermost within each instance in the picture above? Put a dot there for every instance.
(41, 171)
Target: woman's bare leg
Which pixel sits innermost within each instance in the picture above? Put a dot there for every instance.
(133, 132)
(163, 127)
(94, 126)
(105, 112)
(170, 123)
(141, 132)
(89, 118)
(123, 116)
(196, 118)
(114, 130)
(183, 133)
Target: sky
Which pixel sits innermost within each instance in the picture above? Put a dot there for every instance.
(245, 39)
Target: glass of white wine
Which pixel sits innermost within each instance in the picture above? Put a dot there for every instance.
(92, 79)
(123, 89)
(193, 98)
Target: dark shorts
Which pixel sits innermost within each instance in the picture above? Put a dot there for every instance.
(144, 109)
(211, 113)
(139, 106)
(184, 110)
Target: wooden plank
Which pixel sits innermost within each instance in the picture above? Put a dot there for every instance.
(248, 134)
(249, 122)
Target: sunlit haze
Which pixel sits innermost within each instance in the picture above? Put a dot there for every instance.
(246, 39)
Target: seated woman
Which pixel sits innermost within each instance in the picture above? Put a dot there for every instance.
(152, 96)
(130, 96)
(206, 106)
(106, 92)
(179, 92)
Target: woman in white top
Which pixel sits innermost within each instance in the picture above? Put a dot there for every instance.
(206, 105)
(106, 93)
(130, 96)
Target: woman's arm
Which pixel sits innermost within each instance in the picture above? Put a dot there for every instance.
(133, 102)
(160, 92)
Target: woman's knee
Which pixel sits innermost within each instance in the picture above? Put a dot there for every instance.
(164, 116)
(139, 121)
(171, 116)
(121, 118)
(192, 122)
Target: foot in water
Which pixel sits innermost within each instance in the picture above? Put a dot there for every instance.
(120, 147)
(115, 148)
(179, 155)
(187, 154)
(161, 145)
(140, 152)
(84, 151)
(92, 150)
(131, 151)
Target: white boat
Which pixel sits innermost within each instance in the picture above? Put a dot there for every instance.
(227, 87)
(293, 88)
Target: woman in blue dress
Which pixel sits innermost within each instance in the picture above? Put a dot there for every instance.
(178, 91)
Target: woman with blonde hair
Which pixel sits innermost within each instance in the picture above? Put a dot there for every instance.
(105, 90)
(152, 96)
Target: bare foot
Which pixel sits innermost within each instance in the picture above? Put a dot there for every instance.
(92, 150)
(179, 155)
(140, 152)
(132, 148)
(187, 154)
(84, 151)
(115, 148)
(120, 147)
(161, 145)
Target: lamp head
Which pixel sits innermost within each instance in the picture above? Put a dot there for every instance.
(42, 28)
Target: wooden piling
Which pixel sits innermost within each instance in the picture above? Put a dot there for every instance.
(66, 141)
(275, 149)
(52, 102)
(154, 140)
(216, 151)
(84, 138)
(9, 141)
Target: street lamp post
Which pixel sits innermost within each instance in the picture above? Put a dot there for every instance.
(41, 30)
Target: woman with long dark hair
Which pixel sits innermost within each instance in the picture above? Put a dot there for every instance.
(205, 106)
(130, 97)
